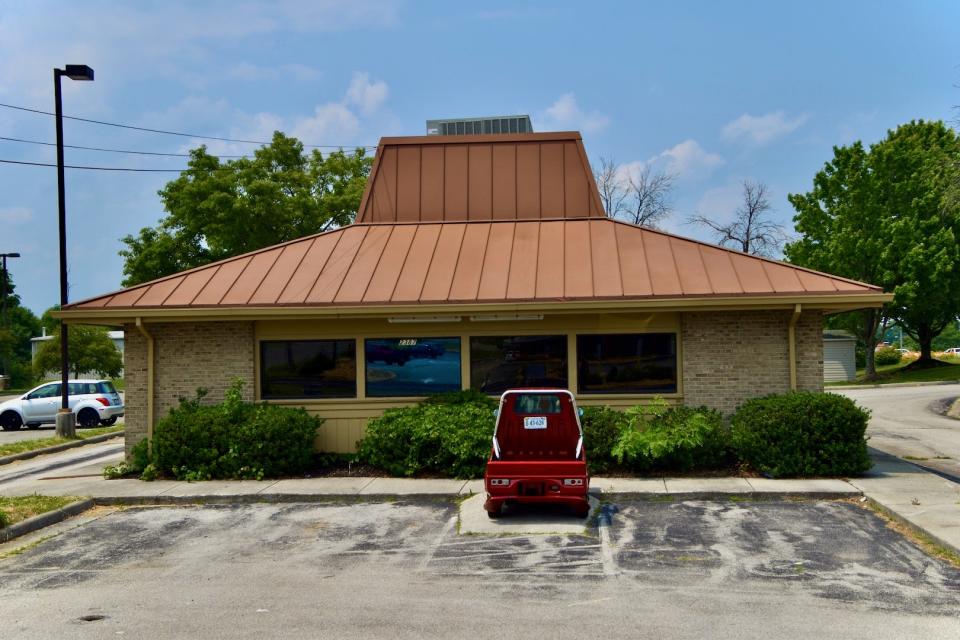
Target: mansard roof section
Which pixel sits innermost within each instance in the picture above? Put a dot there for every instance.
(529, 176)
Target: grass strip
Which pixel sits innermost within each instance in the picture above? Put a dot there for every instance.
(11, 448)
(16, 509)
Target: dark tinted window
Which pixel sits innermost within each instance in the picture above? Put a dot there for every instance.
(627, 363)
(536, 403)
(106, 387)
(500, 363)
(399, 367)
(308, 369)
(81, 388)
(48, 391)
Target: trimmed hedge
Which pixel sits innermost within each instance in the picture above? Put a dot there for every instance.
(448, 434)
(233, 440)
(887, 356)
(601, 430)
(802, 434)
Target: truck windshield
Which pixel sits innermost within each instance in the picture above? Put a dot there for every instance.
(536, 403)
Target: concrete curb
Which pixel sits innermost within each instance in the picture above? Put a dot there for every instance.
(26, 455)
(893, 515)
(45, 519)
(935, 383)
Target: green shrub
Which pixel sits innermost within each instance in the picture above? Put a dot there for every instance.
(139, 464)
(601, 430)
(802, 434)
(658, 436)
(235, 439)
(448, 435)
(886, 356)
(4, 519)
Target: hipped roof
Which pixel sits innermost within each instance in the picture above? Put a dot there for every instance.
(480, 239)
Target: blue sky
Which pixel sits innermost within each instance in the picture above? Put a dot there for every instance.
(713, 92)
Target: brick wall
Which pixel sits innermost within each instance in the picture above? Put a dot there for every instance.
(729, 357)
(187, 355)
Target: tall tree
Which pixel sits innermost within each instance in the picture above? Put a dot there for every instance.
(16, 329)
(916, 167)
(885, 216)
(91, 351)
(217, 209)
(751, 230)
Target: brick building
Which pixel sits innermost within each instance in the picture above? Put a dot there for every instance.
(480, 261)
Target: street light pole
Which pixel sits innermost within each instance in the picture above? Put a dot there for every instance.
(3, 313)
(66, 421)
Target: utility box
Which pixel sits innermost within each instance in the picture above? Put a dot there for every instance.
(839, 356)
(475, 126)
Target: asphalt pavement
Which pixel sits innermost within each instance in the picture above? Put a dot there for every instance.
(904, 423)
(353, 568)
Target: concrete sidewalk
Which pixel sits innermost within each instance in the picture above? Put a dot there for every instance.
(923, 500)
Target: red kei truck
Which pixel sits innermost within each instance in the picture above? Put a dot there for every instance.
(537, 454)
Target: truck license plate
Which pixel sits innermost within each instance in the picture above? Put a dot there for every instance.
(535, 422)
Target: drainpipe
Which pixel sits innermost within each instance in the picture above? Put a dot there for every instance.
(150, 385)
(792, 341)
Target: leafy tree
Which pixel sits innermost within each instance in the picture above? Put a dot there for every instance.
(916, 170)
(15, 351)
(949, 338)
(91, 350)
(221, 209)
(884, 216)
(841, 233)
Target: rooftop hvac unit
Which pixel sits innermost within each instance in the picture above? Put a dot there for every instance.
(472, 126)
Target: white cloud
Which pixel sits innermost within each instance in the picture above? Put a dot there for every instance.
(760, 130)
(15, 215)
(565, 114)
(366, 95)
(331, 123)
(687, 159)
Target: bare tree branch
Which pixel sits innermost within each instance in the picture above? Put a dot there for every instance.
(749, 231)
(641, 197)
(650, 197)
(609, 183)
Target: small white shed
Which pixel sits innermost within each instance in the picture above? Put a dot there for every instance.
(839, 356)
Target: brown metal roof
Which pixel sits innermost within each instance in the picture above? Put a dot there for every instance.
(528, 176)
(477, 262)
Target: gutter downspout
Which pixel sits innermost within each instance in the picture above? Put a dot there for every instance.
(792, 342)
(150, 384)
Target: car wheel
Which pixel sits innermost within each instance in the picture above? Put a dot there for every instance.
(33, 425)
(88, 418)
(10, 421)
(109, 422)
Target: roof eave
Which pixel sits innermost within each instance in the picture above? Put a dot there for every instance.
(835, 303)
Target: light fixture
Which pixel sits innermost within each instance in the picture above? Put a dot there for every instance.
(421, 319)
(506, 317)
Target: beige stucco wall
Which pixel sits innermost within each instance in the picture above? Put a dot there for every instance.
(724, 358)
(187, 355)
(729, 357)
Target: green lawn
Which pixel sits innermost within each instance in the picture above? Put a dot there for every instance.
(13, 510)
(29, 445)
(894, 373)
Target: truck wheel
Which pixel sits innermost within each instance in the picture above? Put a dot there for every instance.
(88, 418)
(10, 421)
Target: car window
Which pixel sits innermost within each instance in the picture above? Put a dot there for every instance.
(106, 387)
(80, 388)
(49, 391)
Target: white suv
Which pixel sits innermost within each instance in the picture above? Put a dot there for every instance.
(95, 402)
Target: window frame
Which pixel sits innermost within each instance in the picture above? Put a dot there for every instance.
(300, 398)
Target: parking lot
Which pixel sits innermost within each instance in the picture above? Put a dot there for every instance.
(355, 568)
